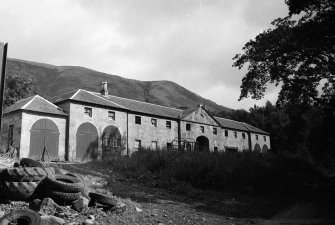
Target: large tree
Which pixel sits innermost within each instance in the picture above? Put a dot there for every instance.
(297, 53)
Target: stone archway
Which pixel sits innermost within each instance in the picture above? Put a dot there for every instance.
(203, 143)
(265, 148)
(87, 142)
(44, 134)
(257, 147)
(111, 142)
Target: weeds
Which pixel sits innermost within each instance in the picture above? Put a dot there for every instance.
(248, 170)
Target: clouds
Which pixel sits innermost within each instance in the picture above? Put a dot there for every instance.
(189, 42)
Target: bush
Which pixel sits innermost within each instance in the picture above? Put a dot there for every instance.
(265, 172)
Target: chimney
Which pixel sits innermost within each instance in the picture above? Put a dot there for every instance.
(104, 90)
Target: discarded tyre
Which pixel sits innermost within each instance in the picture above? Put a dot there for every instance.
(102, 199)
(19, 191)
(31, 163)
(64, 183)
(28, 217)
(18, 174)
(64, 198)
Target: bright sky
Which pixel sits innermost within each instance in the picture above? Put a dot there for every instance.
(189, 42)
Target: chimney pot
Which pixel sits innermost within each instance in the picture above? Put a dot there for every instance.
(104, 90)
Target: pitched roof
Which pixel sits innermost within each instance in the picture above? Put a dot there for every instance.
(84, 96)
(231, 124)
(147, 108)
(37, 104)
(143, 107)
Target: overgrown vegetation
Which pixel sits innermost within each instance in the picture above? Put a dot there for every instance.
(266, 173)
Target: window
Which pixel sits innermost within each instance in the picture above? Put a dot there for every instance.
(226, 133)
(215, 130)
(202, 128)
(188, 127)
(243, 135)
(88, 111)
(10, 135)
(168, 145)
(154, 122)
(264, 138)
(215, 149)
(256, 137)
(154, 145)
(137, 120)
(137, 144)
(235, 134)
(168, 124)
(111, 115)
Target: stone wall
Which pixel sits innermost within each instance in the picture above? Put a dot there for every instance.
(147, 133)
(28, 119)
(14, 119)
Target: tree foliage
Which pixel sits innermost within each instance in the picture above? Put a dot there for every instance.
(19, 86)
(298, 53)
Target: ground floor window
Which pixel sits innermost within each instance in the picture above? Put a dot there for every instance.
(137, 144)
(154, 145)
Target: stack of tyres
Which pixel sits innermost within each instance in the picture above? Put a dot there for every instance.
(63, 189)
(20, 183)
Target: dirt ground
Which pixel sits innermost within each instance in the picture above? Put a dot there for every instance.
(148, 204)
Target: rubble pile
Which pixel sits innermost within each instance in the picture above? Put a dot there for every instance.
(49, 194)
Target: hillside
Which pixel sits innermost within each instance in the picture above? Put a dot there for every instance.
(54, 80)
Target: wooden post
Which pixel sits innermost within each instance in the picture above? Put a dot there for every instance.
(2, 78)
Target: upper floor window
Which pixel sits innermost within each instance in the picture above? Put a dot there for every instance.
(137, 144)
(168, 124)
(188, 127)
(243, 135)
(264, 138)
(215, 130)
(256, 137)
(154, 122)
(226, 133)
(111, 115)
(202, 128)
(235, 134)
(137, 120)
(88, 111)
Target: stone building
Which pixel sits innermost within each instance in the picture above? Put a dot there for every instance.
(83, 125)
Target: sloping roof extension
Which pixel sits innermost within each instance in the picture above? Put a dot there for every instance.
(36, 104)
(255, 129)
(227, 123)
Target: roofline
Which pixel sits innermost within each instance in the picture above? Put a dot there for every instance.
(36, 112)
(64, 93)
(25, 105)
(144, 102)
(93, 93)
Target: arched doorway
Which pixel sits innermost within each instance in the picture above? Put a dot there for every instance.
(265, 148)
(257, 147)
(203, 143)
(44, 134)
(111, 142)
(87, 142)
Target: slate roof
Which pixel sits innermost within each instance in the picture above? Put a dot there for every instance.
(147, 108)
(37, 104)
(143, 107)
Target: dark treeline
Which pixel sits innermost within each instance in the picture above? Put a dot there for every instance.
(305, 131)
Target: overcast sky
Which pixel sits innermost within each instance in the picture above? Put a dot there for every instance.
(190, 42)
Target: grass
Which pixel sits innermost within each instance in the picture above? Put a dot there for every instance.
(253, 171)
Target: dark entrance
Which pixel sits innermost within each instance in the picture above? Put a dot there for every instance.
(257, 147)
(87, 142)
(111, 142)
(44, 134)
(203, 143)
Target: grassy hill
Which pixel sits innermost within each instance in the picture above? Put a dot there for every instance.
(54, 80)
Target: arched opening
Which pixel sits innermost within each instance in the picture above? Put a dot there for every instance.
(87, 142)
(111, 142)
(203, 143)
(44, 137)
(257, 147)
(265, 148)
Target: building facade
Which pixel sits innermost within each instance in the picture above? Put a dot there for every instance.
(83, 125)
